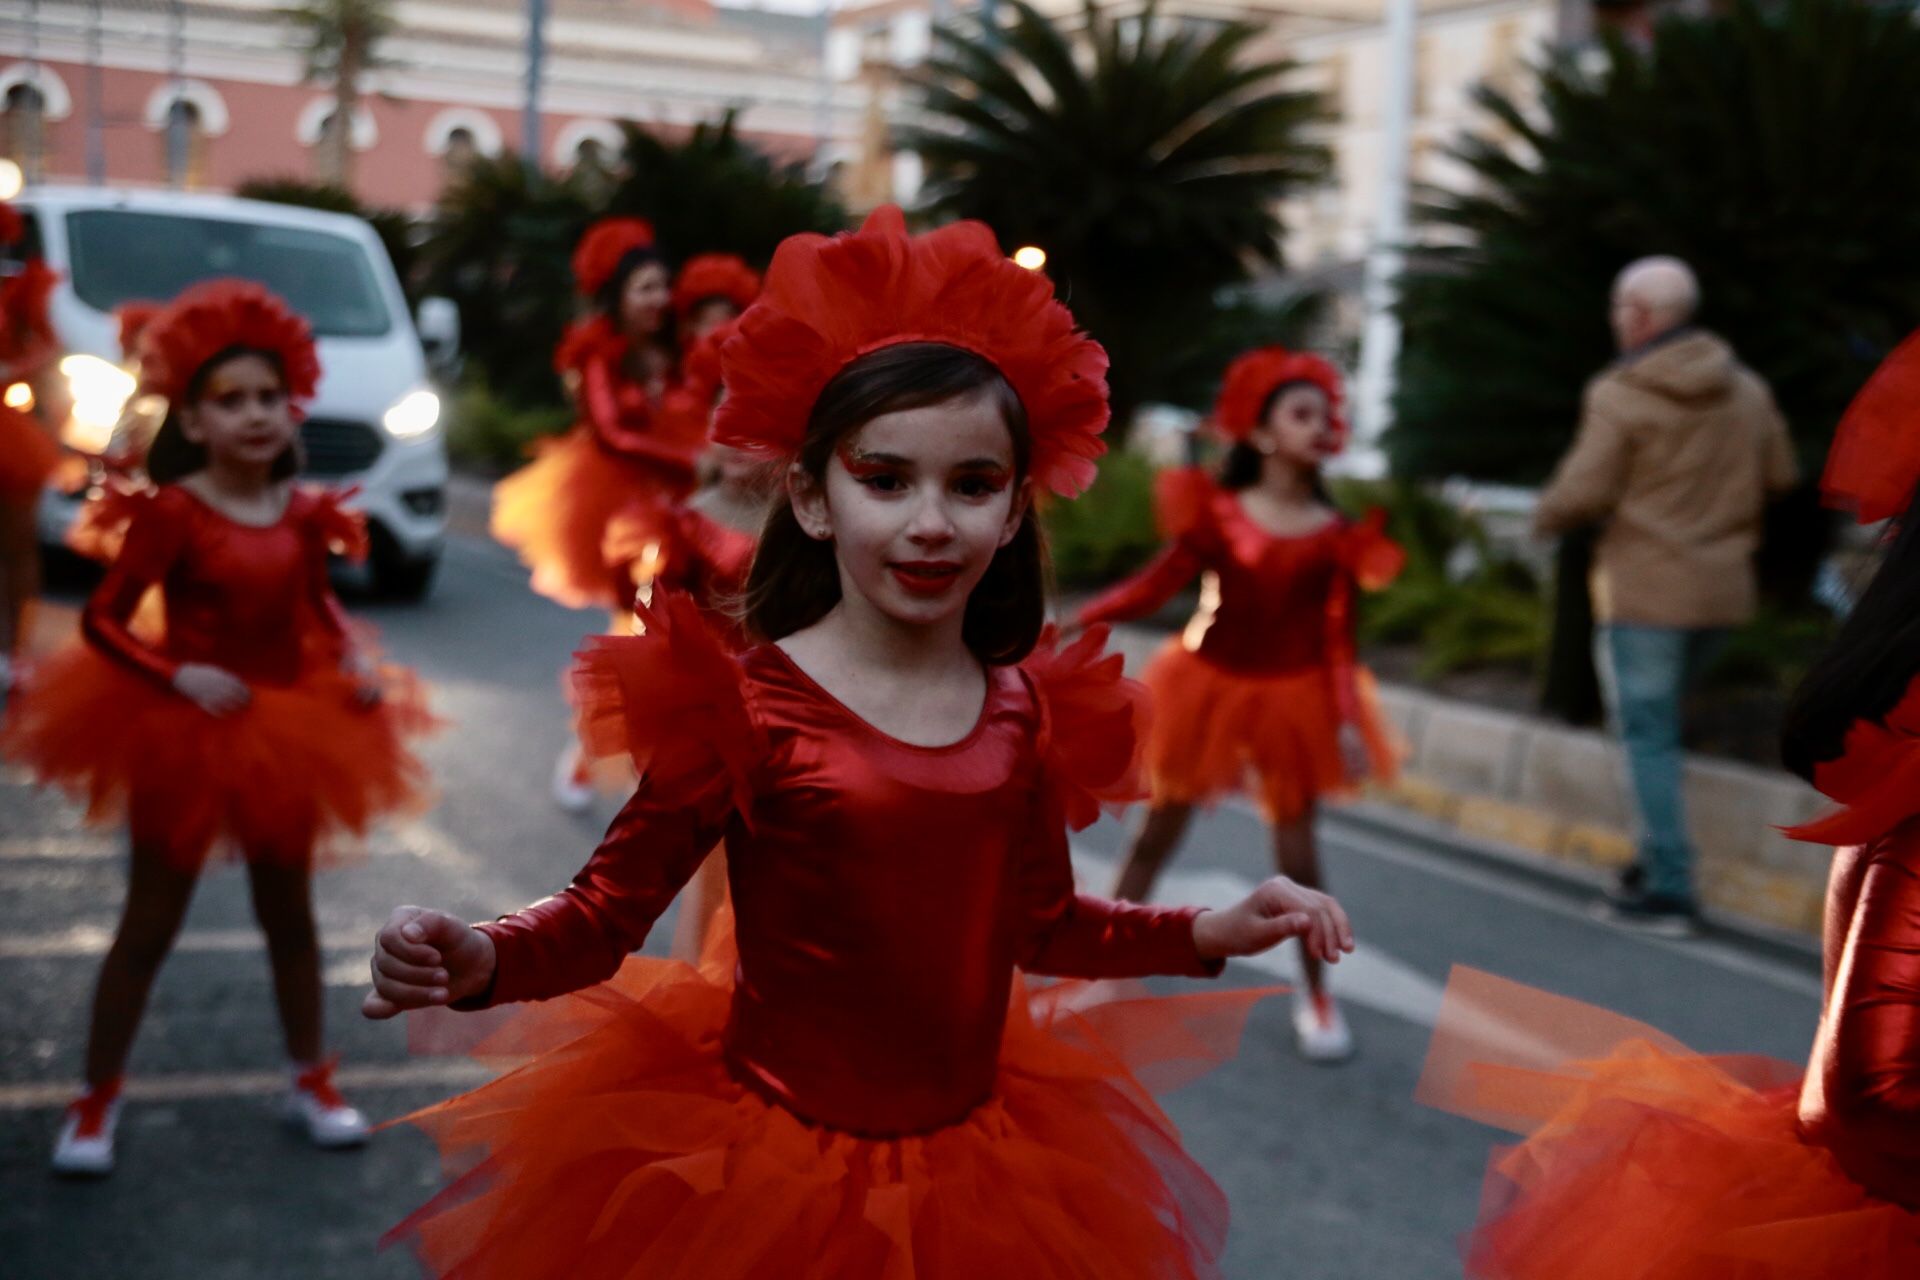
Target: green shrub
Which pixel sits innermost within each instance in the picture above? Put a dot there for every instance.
(487, 434)
(1109, 531)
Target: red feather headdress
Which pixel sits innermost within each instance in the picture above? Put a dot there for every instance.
(1875, 460)
(212, 317)
(829, 301)
(599, 252)
(714, 275)
(1255, 376)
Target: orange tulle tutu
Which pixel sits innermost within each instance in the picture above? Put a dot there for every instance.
(28, 456)
(554, 511)
(290, 778)
(1643, 1160)
(630, 1150)
(1275, 737)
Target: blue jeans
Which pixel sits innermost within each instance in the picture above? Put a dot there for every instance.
(1644, 676)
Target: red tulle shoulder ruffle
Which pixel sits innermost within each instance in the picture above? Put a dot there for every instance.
(670, 698)
(1876, 779)
(700, 368)
(715, 275)
(1373, 558)
(600, 250)
(344, 531)
(1255, 376)
(1875, 459)
(1093, 724)
(1183, 499)
(132, 319)
(586, 341)
(829, 301)
(217, 315)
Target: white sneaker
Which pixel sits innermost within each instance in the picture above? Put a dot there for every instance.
(84, 1148)
(313, 1104)
(1320, 1029)
(571, 792)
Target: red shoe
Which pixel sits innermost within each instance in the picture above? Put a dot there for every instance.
(85, 1145)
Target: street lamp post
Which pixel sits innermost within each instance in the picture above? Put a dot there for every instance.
(1380, 343)
(177, 116)
(96, 127)
(530, 112)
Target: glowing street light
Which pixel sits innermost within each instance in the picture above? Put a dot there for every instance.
(1030, 256)
(12, 180)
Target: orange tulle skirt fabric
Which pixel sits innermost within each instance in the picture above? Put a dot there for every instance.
(1643, 1160)
(28, 456)
(626, 1148)
(294, 778)
(1275, 737)
(554, 512)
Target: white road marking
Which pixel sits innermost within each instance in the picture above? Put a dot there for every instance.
(61, 848)
(85, 940)
(445, 1073)
(1369, 977)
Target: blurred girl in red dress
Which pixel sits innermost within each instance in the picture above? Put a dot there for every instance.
(251, 719)
(1262, 692)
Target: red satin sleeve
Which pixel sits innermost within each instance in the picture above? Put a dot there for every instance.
(580, 936)
(153, 542)
(1863, 1100)
(1076, 935)
(1146, 592)
(618, 428)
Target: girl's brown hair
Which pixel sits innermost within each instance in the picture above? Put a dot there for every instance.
(172, 457)
(795, 581)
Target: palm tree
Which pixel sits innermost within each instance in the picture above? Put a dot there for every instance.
(1146, 156)
(342, 39)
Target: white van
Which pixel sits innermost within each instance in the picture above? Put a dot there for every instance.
(375, 420)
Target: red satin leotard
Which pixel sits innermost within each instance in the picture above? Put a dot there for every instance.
(240, 597)
(884, 894)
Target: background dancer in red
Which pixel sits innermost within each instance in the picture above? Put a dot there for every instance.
(252, 720)
(1262, 692)
(29, 454)
(1645, 1161)
(866, 1090)
(711, 290)
(619, 364)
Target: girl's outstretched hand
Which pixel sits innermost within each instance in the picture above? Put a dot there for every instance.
(1272, 913)
(422, 958)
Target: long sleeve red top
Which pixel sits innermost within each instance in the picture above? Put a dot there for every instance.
(883, 892)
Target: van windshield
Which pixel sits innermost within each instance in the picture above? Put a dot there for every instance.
(121, 255)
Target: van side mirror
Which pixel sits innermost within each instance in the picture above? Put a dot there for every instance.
(437, 321)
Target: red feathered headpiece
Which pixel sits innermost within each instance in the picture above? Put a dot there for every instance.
(210, 318)
(700, 368)
(1255, 376)
(715, 275)
(1875, 460)
(599, 252)
(12, 225)
(828, 302)
(133, 319)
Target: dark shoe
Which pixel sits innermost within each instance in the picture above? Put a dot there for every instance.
(1630, 883)
(1659, 914)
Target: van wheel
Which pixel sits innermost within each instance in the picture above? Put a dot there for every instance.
(397, 576)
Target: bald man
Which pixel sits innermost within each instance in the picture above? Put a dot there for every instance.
(1680, 449)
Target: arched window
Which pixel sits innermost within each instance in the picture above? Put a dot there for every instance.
(23, 125)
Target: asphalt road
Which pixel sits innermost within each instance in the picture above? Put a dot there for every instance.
(1333, 1173)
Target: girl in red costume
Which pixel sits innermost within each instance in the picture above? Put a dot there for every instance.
(1647, 1162)
(251, 719)
(712, 290)
(866, 1089)
(1262, 691)
(29, 454)
(619, 366)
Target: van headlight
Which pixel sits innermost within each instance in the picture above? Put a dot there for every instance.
(413, 415)
(100, 390)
